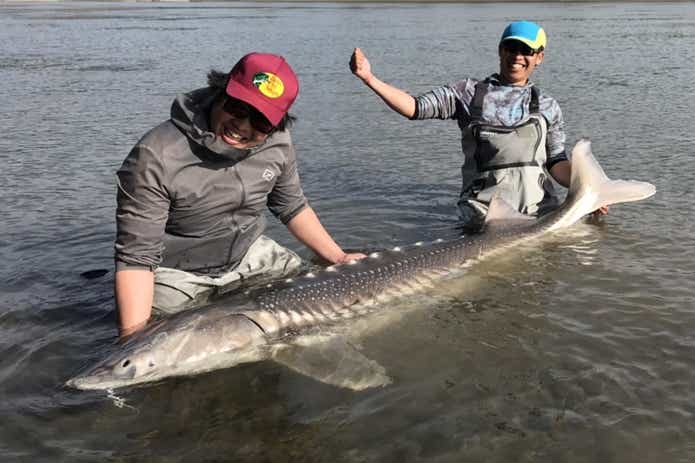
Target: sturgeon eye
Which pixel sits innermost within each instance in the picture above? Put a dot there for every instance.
(125, 363)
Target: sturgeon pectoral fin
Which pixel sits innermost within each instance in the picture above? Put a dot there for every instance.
(333, 361)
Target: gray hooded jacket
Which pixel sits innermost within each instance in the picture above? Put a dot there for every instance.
(189, 201)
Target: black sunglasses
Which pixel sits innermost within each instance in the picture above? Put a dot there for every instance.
(518, 48)
(240, 110)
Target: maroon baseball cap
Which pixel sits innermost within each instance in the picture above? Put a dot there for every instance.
(266, 82)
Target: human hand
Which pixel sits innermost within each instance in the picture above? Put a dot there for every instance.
(603, 210)
(349, 257)
(359, 65)
(124, 332)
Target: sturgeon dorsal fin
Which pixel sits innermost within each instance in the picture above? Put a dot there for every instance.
(501, 215)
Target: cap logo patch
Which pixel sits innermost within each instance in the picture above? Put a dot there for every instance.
(269, 84)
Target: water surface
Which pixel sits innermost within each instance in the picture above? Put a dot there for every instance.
(575, 349)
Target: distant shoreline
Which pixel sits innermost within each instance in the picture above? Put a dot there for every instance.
(19, 2)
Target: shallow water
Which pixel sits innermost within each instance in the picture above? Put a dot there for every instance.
(577, 348)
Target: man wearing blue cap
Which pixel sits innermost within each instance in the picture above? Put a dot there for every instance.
(512, 134)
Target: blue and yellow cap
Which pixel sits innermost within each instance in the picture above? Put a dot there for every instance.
(527, 32)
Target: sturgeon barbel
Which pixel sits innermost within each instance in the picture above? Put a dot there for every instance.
(219, 336)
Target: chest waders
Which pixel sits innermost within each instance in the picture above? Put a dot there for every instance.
(505, 161)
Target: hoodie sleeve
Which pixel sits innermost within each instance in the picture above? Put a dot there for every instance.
(287, 199)
(142, 210)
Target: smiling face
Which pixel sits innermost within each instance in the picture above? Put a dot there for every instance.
(518, 61)
(238, 124)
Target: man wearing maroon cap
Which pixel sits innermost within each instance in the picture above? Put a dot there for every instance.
(192, 192)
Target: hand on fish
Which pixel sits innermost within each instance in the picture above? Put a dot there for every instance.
(603, 210)
(350, 256)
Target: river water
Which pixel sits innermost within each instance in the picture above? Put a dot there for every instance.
(579, 348)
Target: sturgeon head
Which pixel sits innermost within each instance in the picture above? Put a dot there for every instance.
(184, 344)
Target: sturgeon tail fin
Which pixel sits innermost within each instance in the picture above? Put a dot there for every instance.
(588, 179)
(590, 188)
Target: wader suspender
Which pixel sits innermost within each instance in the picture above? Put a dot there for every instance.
(476, 112)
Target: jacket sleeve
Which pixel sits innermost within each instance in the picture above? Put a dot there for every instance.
(287, 199)
(555, 140)
(142, 210)
(446, 102)
(440, 103)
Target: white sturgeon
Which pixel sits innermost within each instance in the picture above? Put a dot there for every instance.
(219, 336)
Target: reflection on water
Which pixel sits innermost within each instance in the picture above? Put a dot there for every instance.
(574, 348)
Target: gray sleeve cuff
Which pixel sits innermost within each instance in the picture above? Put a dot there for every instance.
(120, 265)
(555, 158)
(286, 218)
